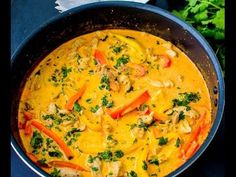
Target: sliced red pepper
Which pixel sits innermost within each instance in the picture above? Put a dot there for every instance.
(69, 105)
(28, 115)
(21, 125)
(28, 129)
(100, 57)
(131, 106)
(166, 61)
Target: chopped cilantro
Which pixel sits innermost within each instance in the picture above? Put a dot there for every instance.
(185, 98)
(106, 155)
(132, 174)
(89, 100)
(177, 144)
(90, 159)
(117, 49)
(106, 103)
(42, 161)
(95, 168)
(119, 154)
(181, 115)
(121, 61)
(94, 109)
(153, 161)
(162, 141)
(55, 173)
(77, 107)
(55, 153)
(37, 140)
(104, 83)
(65, 71)
(144, 165)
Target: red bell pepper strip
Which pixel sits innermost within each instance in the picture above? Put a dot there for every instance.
(131, 106)
(100, 57)
(52, 135)
(166, 61)
(70, 104)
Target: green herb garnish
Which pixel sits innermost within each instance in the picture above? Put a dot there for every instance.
(94, 109)
(153, 161)
(162, 141)
(177, 144)
(119, 154)
(208, 17)
(181, 115)
(144, 166)
(77, 107)
(37, 140)
(121, 61)
(55, 173)
(185, 98)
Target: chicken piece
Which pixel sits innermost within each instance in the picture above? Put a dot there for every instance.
(66, 123)
(147, 119)
(113, 169)
(137, 68)
(95, 166)
(168, 84)
(125, 81)
(175, 112)
(79, 125)
(52, 109)
(171, 53)
(138, 132)
(99, 112)
(159, 84)
(68, 172)
(63, 111)
(184, 127)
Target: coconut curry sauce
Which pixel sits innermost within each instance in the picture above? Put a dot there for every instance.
(114, 103)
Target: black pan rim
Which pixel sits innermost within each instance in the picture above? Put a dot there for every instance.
(165, 14)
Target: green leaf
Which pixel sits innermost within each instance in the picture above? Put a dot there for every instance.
(154, 161)
(201, 16)
(162, 141)
(55, 173)
(181, 115)
(218, 2)
(119, 154)
(94, 109)
(106, 155)
(77, 107)
(121, 61)
(192, 2)
(199, 8)
(178, 142)
(144, 165)
(219, 21)
(37, 140)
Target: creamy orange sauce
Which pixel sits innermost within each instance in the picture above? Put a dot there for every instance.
(151, 137)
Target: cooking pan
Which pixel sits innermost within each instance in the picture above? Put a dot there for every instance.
(107, 15)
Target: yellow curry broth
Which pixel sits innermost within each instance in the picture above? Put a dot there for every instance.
(134, 64)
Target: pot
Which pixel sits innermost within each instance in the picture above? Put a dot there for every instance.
(105, 15)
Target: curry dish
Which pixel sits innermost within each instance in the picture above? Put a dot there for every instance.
(114, 103)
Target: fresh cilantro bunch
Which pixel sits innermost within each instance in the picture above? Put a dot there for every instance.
(207, 16)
